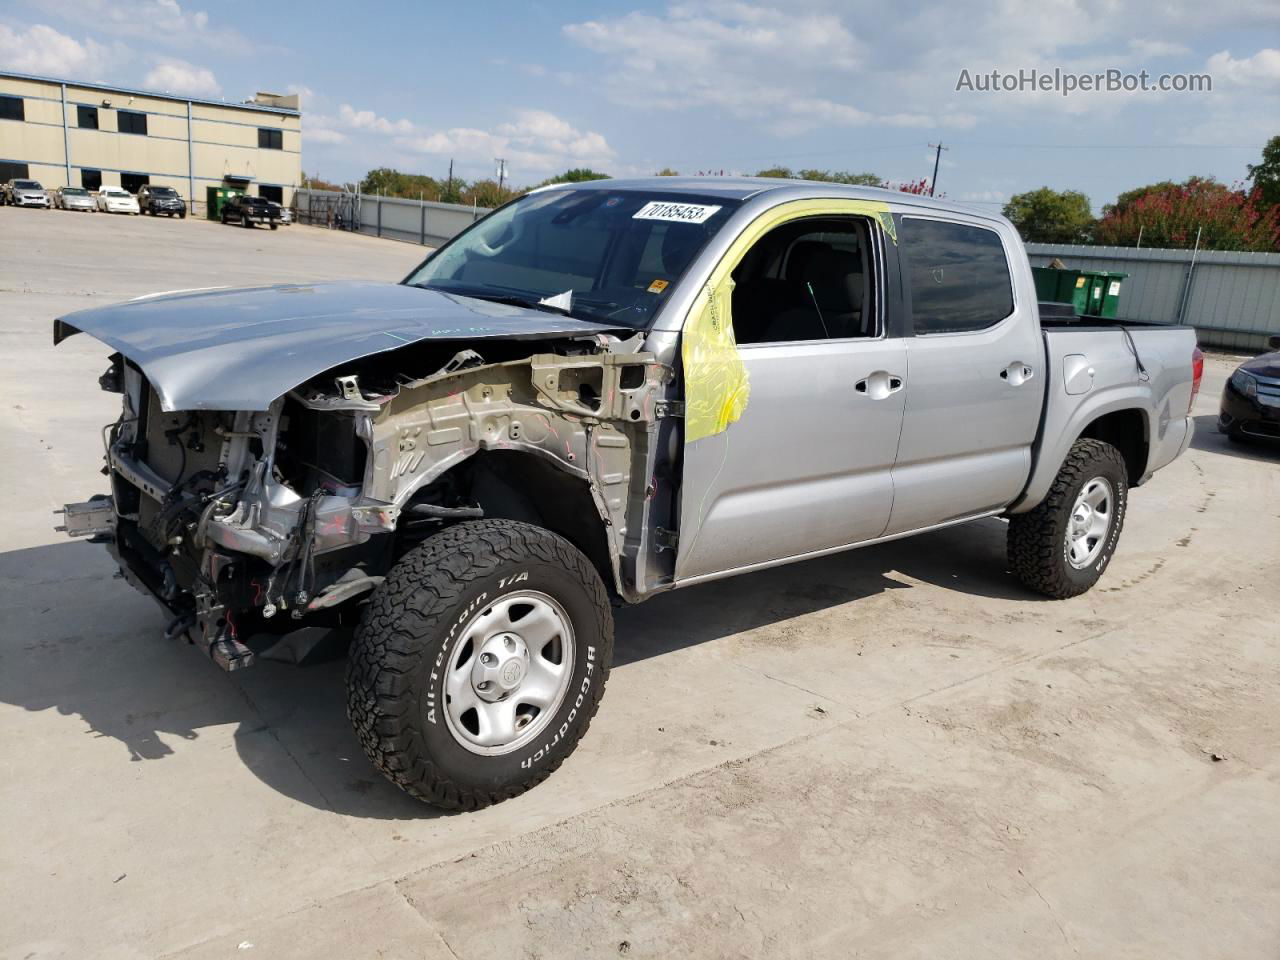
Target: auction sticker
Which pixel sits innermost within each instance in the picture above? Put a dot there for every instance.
(675, 212)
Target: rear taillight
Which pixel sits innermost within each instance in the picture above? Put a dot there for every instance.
(1197, 374)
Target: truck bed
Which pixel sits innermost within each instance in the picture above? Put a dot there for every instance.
(1097, 366)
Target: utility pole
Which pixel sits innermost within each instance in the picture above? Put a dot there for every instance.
(502, 172)
(449, 189)
(937, 157)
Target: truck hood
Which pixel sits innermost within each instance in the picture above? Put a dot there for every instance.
(1265, 365)
(241, 349)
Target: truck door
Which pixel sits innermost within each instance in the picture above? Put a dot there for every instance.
(975, 375)
(791, 451)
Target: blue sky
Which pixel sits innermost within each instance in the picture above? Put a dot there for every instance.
(629, 87)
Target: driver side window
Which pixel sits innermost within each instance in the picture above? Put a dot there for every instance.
(806, 280)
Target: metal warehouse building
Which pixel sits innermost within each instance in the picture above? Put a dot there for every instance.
(87, 135)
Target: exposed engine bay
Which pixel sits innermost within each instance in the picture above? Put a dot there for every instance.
(251, 522)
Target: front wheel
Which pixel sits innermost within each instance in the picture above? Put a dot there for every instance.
(1062, 547)
(480, 662)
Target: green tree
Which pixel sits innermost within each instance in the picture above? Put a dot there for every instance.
(823, 176)
(667, 172)
(1051, 216)
(1266, 175)
(393, 183)
(842, 176)
(576, 175)
(487, 193)
(312, 182)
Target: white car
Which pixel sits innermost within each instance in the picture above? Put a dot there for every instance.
(74, 198)
(117, 200)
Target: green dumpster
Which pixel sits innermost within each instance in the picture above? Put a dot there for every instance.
(215, 197)
(1093, 293)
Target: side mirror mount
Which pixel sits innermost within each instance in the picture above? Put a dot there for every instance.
(1274, 342)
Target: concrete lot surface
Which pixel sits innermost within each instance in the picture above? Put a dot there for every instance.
(895, 752)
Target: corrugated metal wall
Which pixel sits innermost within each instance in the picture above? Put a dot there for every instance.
(1232, 299)
(413, 221)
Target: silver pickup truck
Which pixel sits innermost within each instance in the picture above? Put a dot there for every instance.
(597, 393)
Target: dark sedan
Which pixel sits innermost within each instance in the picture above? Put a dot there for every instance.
(1251, 398)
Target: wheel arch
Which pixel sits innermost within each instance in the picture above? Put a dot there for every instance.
(531, 488)
(1129, 431)
(1121, 417)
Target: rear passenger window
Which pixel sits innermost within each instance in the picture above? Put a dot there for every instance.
(958, 275)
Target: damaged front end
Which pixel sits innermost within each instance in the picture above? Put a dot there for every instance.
(248, 522)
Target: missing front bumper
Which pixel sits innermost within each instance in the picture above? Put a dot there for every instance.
(93, 518)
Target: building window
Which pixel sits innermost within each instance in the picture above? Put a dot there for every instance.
(11, 108)
(270, 139)
(87, 118)
(91, 179)
(129, 122)
(13, 171)
(274, 194)
(133, 182)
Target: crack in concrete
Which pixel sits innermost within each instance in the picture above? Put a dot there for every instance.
(1052, 913)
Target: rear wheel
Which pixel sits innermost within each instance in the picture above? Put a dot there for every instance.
(480, 662)
(1063, 546)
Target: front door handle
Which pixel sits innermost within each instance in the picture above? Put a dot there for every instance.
(1017, 373)
(879, 385)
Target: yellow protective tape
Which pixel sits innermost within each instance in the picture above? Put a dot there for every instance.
(716, 387)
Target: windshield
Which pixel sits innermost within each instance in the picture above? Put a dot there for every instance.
(618, 253)
(74, 192)
(26, 185)
(162, 191)
(113, 192)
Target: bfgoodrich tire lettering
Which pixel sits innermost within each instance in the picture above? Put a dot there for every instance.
(396, 676)
(1038, 541)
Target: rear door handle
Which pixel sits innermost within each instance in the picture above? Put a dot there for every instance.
(1017, 373)
(879, 385)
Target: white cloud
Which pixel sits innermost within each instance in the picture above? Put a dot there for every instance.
(159, 22)
(535, 141)
(1157, 49)
(43, 50)
(368, 120)
(1261, 69)
(746, 59)
(773, 66)
(319, 133)
(180, 77)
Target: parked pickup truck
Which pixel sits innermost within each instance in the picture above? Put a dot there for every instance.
(598, 393)
(246, 211)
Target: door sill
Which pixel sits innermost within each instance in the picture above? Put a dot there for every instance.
(813, 555)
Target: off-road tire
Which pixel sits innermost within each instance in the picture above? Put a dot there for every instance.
(395, 696)
(1037, 540)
